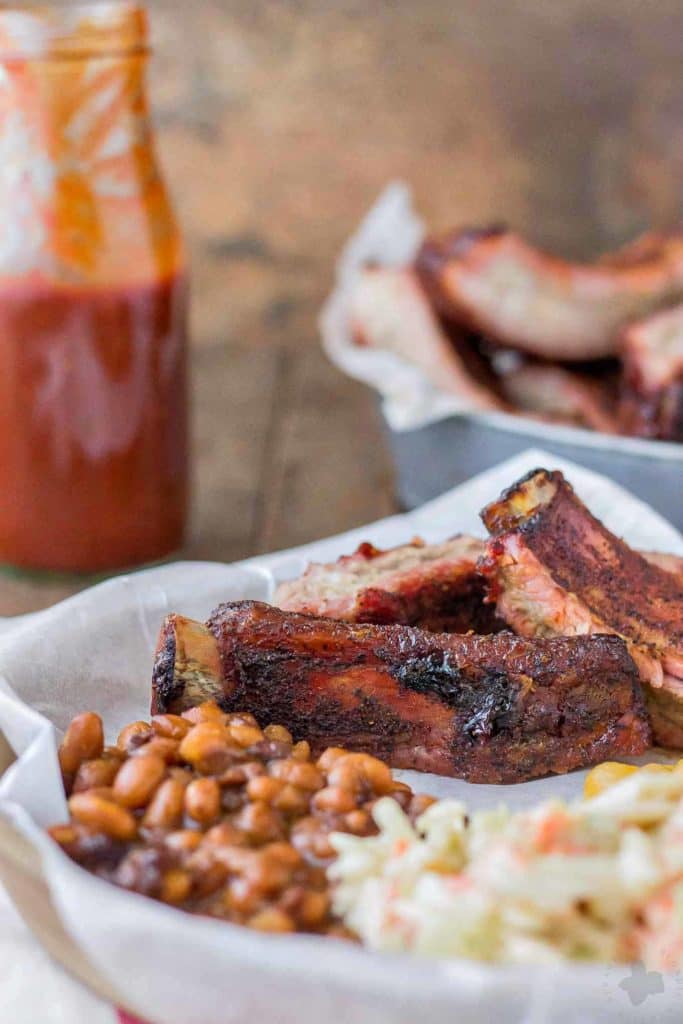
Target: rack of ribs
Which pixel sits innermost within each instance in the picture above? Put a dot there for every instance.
(556, 393)
(493, 282)
(434, 586)
(652, 386)
(488, 709)
(389, 310)
(555, 570)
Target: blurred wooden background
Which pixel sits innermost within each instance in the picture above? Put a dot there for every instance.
(279, 121)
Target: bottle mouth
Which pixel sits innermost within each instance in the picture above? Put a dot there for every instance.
(79, 30)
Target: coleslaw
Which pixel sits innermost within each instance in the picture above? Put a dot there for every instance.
(598, 879)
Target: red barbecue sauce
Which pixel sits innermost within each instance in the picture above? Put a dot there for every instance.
(93, 430)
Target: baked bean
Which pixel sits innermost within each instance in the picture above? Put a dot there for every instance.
(207, 871)
(106, 792)
(402, 794)
(165, 809)
(206, 712)
(208, 748)
(283, 853)
(313, 909)
(242, 718)
(134, 735)
(257, 813)
(63, 834)
(359, 823)
(270, 750)
(183, 775)
(83, 741)
(277, 732)
(238, 774)
(141, 871)
(184, 841)
(232, 799)
(360, 771)
(203, 800)
(97, 773)
(113, 754)
(176, 885)
(419, 804)
(224, 834)
(241, 897)
(301, 751)
(137, 778)
(161, 746)
(291, 799)
(259, 822)
(267, 870)
(307, 907)
(333, 799)
(329, 757)
(262, 787)
(271, 920)
(299, 773)
(310, 839)
(103, 815)
(173, 727)
(245, 735)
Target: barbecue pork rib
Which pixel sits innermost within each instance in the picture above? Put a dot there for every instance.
(652, 385)
(487, 709)
(557, 393)
(672, 563)
(494, 282)
(389, 310)
(555, 570)
(433, 586)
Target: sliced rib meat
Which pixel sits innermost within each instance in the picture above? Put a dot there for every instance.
(671, 563)
(494, 282)
(555, 570)
(559, 394)
(652, 387)
(389, 310)
(488, 709)
(433, 586)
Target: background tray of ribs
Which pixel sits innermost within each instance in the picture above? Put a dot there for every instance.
(549, 647)
(506, 327)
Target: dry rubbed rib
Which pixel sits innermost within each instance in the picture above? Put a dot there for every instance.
(558, 393)
(389, 310)
(672, 563)
(434, 586)
(494, 282)
(556, 570)
(652, 387)
(488, 709)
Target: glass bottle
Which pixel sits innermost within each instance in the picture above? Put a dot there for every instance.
(93, 299)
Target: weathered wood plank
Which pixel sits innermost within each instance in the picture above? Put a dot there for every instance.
(328, 468)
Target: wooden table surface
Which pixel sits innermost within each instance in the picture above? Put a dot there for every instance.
(278, 124)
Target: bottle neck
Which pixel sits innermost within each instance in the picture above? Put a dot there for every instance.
(104, 28)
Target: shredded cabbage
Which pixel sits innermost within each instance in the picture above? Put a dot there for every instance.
(598, 879)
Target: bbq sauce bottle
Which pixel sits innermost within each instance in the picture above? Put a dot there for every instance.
(93, 299)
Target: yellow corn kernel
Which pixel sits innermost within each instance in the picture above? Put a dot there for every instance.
(661, 768)
(605, 775)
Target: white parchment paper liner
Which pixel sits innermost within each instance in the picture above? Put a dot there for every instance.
(390, 235)
(95, 651)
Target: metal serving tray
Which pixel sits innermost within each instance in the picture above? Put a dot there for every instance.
(432, 458)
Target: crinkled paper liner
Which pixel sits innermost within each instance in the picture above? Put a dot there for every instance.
(95, 651)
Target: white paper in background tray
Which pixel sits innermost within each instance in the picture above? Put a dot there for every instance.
(390, 235)
(95, 651)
